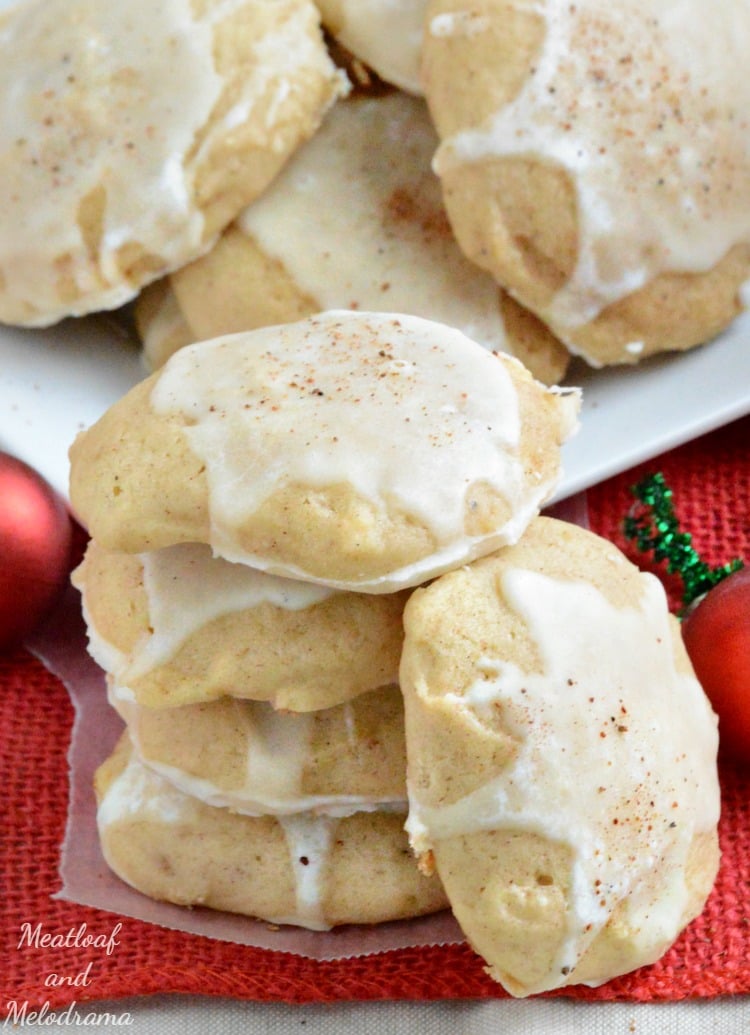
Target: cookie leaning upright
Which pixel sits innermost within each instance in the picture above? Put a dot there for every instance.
(365, 451)
(594, 160)
(131, 134)
(561, 759)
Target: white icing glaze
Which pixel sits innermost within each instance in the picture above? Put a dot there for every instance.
(309, 839)
(384, 34)
(635, 348)
(348, 398)
(458, 23)
(647, 112)
(384, 242)
(186, 588)
(278, 748)
(139, 791)
(350, 724)
(115, 96)
(616, 758)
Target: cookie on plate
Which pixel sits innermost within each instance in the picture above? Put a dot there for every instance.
(385, 244)
(179, 627)
(561, 759)
(592, 160)
(312, 871)
(132, 134)
(368, 451)
(246, 756)
(385, 36)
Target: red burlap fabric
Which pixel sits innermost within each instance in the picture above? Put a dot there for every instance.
(711, 480)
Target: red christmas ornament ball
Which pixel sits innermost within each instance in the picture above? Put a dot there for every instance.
(36, 537)
(717, 638)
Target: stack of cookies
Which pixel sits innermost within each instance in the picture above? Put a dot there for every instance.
(259, 510)
(324, 595)
(264, 755)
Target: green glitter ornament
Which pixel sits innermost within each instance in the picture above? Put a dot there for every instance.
(652, 524)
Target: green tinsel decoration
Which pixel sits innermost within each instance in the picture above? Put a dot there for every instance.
(654, 527)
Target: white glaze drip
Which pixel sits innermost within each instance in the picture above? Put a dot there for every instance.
(309, 839)
(137, 792)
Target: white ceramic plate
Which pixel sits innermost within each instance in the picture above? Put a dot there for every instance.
(57, 381)
(631, 414)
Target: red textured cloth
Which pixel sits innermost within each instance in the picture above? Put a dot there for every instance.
(711, 481)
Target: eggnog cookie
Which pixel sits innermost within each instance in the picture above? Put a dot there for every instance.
(385, 244)
(312, 871)
(385, 36)
(561, 759)
(179, 627)
(593, 161)
(159, 321)
(245, 756)
(363, 450)
(131, 134)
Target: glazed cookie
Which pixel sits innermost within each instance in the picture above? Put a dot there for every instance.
(179, 627)
(312, 871)
(384, 244)
(160, 323)
(385, 36)
(245, 756)
(369, 451)
(561, 759)
(132, 134)
(596, 167)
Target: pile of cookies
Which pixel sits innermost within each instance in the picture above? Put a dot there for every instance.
(322, 592)
(254, 524)
(360, 676)
(552, 179)
(355, 220)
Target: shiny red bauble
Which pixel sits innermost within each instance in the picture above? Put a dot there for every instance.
(36, 537)
(717, 638)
